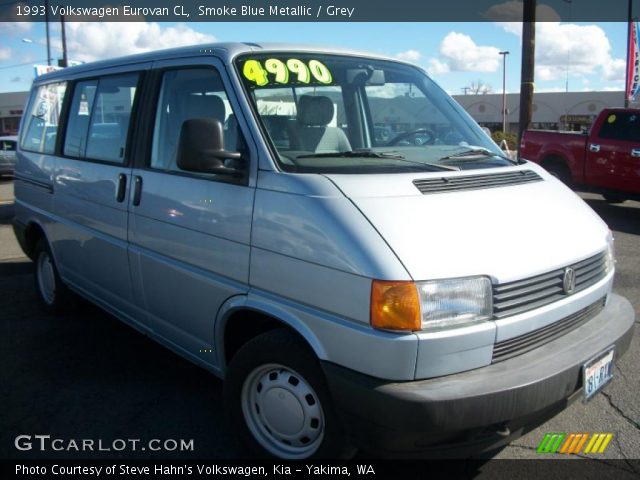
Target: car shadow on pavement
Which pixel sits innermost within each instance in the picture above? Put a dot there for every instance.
(622, 217)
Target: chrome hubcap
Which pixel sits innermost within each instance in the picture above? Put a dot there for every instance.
(282, 411)
(46, 278)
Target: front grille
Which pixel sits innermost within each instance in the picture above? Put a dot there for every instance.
(475, 182)
(523, 295)
(523, 343)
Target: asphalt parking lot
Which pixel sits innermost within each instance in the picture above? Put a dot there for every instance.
(87, 375)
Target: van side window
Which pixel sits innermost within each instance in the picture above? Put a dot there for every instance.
(41, 123)
(98, 123)
(187, 94)
(79, 115)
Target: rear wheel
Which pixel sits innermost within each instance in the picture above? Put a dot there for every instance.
(278, 401)
(53, 294)
(614, 199)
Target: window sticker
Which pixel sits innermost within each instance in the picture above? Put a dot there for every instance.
(276, 71)
(611, 118)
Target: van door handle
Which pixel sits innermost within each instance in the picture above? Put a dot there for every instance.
(137, 190)
(594, 148)
(635, 152)
(122, 187)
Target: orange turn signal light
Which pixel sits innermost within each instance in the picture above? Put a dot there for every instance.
(395, 306)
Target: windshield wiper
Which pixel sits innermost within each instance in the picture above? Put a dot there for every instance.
(372, 154)
(475, 152)
(353, 154)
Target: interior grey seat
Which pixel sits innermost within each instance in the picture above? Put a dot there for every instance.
(311, 132)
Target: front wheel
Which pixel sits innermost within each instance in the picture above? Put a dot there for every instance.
(278, 401)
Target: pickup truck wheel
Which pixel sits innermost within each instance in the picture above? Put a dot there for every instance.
(614, 199)
(277, 400)
(560, 171)
(53, 294)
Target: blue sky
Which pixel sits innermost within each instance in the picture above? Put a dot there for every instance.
(589, 56)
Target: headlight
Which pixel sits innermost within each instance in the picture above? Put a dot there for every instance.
(455, 302)
(430, 305)
(610, 258)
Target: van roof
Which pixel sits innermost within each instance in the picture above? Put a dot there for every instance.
(225, 51)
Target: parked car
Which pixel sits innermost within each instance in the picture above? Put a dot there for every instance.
(398, 298)
(7, 155)
(604, 160)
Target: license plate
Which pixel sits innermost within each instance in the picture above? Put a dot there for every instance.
(597, 373)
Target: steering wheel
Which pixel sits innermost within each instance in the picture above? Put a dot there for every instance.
(431, 137)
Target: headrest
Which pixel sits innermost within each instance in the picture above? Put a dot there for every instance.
(204, 106)
(315, 110)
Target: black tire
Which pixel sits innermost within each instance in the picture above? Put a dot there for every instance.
(273, 370)
(53, 294)
(614, 199)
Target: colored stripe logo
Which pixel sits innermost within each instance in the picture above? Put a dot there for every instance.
(573, 443)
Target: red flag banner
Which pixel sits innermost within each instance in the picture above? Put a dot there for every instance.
(633, 61)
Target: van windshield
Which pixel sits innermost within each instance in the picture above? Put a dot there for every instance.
(341, 114)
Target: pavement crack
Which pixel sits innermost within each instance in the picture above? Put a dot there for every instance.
(621, 412)
(624, 456)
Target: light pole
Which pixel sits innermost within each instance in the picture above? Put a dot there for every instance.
(504, 91)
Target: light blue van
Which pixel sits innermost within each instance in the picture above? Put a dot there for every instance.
(410, 291)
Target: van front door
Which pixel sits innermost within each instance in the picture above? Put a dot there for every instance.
(189, 233)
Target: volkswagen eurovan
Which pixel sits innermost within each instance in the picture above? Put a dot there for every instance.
(404, 293)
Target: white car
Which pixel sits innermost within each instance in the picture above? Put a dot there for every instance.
(8, 155)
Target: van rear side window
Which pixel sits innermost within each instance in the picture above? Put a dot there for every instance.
(98, 123)
(41, 124)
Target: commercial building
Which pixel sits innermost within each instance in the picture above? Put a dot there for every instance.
(11, 110)
(551, 111)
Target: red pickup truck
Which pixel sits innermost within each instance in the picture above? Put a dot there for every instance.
(606, 160)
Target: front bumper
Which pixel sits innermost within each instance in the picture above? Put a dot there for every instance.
(480, 409)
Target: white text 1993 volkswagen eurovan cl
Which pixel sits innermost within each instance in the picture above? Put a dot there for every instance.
(328, 231)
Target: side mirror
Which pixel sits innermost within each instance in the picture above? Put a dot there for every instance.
(201, 148)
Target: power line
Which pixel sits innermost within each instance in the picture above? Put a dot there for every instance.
(21, 64)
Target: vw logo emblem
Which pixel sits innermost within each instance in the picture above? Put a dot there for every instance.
(569, 280)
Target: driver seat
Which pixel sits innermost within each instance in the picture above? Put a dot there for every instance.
(311, 132)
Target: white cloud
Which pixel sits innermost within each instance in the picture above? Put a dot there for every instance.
(409, 55)
(580, 49)
(94, 41)
(436, 67)
(459, 53)
(5, 53)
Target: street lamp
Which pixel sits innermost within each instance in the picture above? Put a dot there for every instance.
(504, 91)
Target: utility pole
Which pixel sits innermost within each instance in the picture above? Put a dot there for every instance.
(65, 59)
(46, 22)
(465, 89)
(528, 64)
(504, 91)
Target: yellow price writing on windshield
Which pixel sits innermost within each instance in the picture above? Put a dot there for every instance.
(293, 70)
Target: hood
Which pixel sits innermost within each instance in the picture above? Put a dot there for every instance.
(508, 232)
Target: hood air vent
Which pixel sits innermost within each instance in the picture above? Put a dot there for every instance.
(475, 182)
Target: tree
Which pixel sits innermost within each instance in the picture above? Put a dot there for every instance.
(478, 87)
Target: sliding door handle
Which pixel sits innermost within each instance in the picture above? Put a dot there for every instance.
(137, 190)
